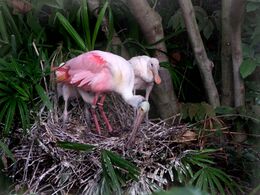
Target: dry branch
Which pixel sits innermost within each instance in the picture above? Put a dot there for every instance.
(42, 166)
(204, 64)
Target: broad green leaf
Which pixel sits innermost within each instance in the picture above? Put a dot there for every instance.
(193, 110)
(205, 183)
(201, 179)
(8, 17)
(24, 114)
(43, 96)
(217, 183)
(98, 24)
(247, 51)
(196, 176)
(75, 146)
(224, 110)
(3, 30)
(208, 29)
(122, 163)
(109, 171)
(247, 67)
(6, 150)
(13, 45)
(4, 109)
(252, 6)
(85, 23)
(213, 190)
(9, 116)
(21, 91)
(71, 31)
(5, 88)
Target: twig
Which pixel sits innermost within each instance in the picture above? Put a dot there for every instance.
(41, 63)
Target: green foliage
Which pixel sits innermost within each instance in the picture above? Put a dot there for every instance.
(175, 74)
(75, 146)
(181, 191)
(198, 168)
(250, 62)
(19, 84)
(197, 111)
(204, 21)
(6, 151)
(117, 171)
(88, 41)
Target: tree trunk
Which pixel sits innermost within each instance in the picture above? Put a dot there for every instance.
(227, 87)
(236, 21)
(204, 64)
(115, 42)
(226, 56)
(149, 21)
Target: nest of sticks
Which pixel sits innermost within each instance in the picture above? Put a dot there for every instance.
(42, 166)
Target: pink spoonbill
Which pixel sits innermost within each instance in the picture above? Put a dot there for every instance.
(95, 73)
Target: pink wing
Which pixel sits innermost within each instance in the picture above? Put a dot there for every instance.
(88, 71)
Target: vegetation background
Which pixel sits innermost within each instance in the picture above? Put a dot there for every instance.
(209, 53)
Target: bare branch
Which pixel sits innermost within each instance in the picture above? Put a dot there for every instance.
(205, 65)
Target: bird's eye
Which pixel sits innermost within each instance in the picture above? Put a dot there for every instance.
(151, 64)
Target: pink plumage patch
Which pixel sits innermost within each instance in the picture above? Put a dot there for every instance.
(97, 59)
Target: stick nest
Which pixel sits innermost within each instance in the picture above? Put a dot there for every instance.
(42, 166)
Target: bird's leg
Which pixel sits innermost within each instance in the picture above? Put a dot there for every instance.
(101, 109)
(65, 111)
(147, 94)
(89, 98)
(66, 92)
(94, 115)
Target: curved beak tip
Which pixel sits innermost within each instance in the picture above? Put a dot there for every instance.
(157, 79)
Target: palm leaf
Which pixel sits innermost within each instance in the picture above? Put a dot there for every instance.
(217, 183)
(4, 108)
(98, 24)
(75, 146)
(5, 88)
(3, 30)
(85, 23)
(43, 96)
(9, 116)
(24, 114)
(211, 185)
(72, 32)
(109, 172)
(8, 17)
(6, 150)
(127, 166)
(21, 91)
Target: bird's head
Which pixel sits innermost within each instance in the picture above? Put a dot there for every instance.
(146, 68)
(153, 63)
